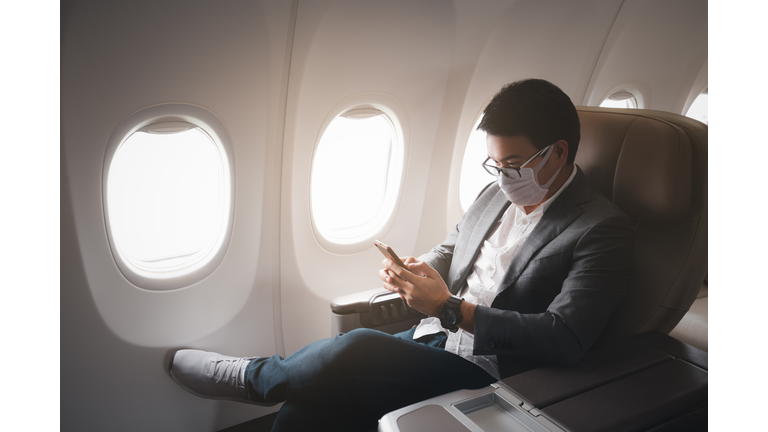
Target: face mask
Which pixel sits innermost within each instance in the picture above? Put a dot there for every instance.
(526, 191)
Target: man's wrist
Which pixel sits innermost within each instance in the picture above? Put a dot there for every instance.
(467, 317)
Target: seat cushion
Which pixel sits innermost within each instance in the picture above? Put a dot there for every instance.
(693, 328)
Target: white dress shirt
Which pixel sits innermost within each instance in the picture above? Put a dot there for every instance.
(489, 268)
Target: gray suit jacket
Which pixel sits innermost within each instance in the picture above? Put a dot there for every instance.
(562, 285)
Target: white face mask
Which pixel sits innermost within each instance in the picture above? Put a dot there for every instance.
(526, 191)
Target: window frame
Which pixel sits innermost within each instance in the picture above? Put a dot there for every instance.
(395, 113)
(202, 267)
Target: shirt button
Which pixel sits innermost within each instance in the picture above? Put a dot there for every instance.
(489, 268)
(523, 221)
(505, 248)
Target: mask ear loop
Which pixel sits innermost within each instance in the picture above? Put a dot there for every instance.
(538, 168)
(544, 150)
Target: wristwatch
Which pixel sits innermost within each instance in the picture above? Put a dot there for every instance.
(450, 314)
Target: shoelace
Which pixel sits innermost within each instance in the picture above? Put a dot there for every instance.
(226, 370)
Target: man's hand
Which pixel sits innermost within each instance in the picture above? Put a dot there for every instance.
(420, 285)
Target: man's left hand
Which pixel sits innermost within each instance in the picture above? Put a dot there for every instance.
(421, 285)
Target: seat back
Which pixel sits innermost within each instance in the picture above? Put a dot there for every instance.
(652, 165)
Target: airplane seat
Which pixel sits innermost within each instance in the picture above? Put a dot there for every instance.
(652, 165)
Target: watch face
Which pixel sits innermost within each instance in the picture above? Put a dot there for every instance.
(448, 316)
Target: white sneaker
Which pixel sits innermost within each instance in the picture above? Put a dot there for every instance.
(212, 376)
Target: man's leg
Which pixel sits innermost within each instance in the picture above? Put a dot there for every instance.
(363, 367)
(349, 380)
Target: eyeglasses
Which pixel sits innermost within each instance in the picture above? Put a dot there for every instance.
(511, 172)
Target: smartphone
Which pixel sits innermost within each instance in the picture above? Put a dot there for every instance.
(389, 253)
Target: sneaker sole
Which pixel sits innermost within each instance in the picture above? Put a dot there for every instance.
(233, 399)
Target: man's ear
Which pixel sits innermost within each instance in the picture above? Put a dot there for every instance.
(560, 152)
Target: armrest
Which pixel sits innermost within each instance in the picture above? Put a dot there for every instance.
(551, 384)
(376, 309)
(357, 302)
(640, 401)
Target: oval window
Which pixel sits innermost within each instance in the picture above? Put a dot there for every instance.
(168, 199)
(699, 109)
(355, 177)
(473, 177)
(620, 99)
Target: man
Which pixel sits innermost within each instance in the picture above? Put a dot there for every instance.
(530, 276)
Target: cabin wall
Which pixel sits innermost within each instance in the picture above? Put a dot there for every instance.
(658, 49)
(272, 72)
(117, 58)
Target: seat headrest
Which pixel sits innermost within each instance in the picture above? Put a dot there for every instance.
(639, 161)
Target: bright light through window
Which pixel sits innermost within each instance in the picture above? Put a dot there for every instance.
(615, 104)
(167, 201)
(354, 182)
(700, 108)
(621, 99)
(473, 176)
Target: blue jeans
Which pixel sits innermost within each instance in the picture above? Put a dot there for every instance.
(350, 381)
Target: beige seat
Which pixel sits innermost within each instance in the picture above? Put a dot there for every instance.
(653, 165)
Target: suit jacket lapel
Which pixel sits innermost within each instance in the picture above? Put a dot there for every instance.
(485, 223)
(554, 221)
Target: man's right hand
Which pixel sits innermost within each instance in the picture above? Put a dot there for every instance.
(390, 278)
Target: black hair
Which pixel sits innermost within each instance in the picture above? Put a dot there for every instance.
(534, 108)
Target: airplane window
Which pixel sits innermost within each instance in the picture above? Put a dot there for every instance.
(473, 176)
(699, 108)
(167, 198)
(355, 176)
(622, 99)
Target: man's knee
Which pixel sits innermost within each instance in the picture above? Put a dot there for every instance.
(361, 337)
(364, 343)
